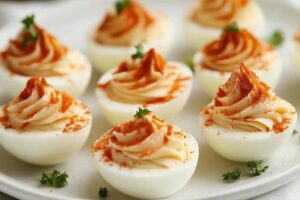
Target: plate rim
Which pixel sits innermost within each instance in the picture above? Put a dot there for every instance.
(20, 190)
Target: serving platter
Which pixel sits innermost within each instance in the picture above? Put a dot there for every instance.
(71, 23)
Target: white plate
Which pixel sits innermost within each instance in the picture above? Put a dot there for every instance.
(22, 180)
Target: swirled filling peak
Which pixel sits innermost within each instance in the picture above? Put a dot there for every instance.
(218, 13)
(40, 107)
(245, 103)
(144, 142)
(235, 46)
(146, 80)
(35, 52)
(128, 24)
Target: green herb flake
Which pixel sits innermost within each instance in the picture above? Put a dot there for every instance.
(55, 179)
(139, 52)
(256, 168)
(30, 34)
(189, 62)
(141, 112)
(28, 21)
(295, 132)
(232, 176)
(121, 5)
(277, 38)
(233, 27)
(103, 192)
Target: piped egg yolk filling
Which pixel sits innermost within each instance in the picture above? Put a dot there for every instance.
(145, 81)
(146, 142)
(217, 13)
(234, 47)
(39, 107)
(245, 103)
(130, 27)
(43, 56)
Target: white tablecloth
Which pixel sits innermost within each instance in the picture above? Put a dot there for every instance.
(11, 11)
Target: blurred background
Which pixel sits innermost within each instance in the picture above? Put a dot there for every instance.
(12, 11)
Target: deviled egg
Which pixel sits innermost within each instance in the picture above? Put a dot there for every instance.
(206, 20)
(35, 52)
(155, 157)
(43, 126)
(148, 80)
(218, 59)
(246, 120)
(125, 27)
(295, 52)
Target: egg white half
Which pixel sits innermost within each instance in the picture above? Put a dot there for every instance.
(43, 148)
(74, 83)
(242, 146)
(116, 112)
(295, 56)
(211, 80)
(150, 183)
(106, 57)
(197, 35)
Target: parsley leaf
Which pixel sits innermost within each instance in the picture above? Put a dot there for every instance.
(121, 5)
(233, 27)
(103, 192)
(256, 168)
(28, 21)
(139, 52)
(232, 176)
(29, 27)
(55, 179)
(277, 38)
(295, 132)
(189, 62)
(141, 112)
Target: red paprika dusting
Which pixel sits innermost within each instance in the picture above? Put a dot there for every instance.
(129, 17)
(63, 100)
(37, 83)
(151, 59)
(213, 53)
(77, 122)
(46, 43)
(208, 122)
(108, 154)
(279, 127)
(247, 82)
(66, 101)
(103, 86)
(4, 120)
(178, 85)
(143, 76)
(140, 124)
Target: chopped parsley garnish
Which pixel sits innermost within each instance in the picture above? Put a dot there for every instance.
(189, 62)
(103, 192)
(295, 132)
(55, 179)
(141, 112)
(256, 168)
(30, 34)
(233, 27)
(121, 5)
(277, 38)
(139, 52)
(232, 176)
